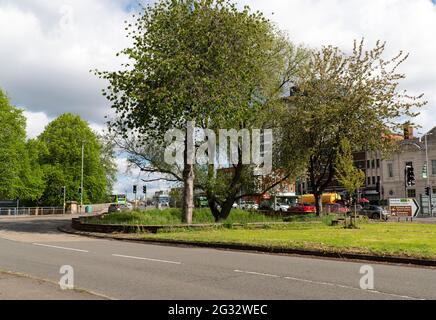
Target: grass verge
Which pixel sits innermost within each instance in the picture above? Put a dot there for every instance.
(404, 240)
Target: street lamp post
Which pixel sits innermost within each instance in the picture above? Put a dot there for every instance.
(430, 205)
(81, 180)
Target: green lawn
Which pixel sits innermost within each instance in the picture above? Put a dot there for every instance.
(412, 240)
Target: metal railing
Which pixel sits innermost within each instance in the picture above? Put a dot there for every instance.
(43, 211)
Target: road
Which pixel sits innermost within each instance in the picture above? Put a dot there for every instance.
(124, 270)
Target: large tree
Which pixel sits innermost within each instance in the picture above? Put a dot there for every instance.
(341, 96)
(61, 159)
(20, 173)
(204, 61)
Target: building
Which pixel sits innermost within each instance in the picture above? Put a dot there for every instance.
(413, 152)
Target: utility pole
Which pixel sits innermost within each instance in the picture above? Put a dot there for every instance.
(81, 180)
(430, 200)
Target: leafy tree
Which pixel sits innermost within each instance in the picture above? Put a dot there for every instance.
(203, 61)
(350, 177)
(62, 161)
(20, 174)
(345, 96)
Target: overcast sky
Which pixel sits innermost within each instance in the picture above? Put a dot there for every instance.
(47, 48)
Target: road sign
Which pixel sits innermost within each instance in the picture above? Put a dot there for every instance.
(404, 207)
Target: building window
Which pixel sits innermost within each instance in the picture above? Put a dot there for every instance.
(433, 167)
(378, 179)
(373, 180)
(434, 190)
(378, 163)
(368, 164)
(369, 181)
(391, 170)
(373, 163)
(411, 193)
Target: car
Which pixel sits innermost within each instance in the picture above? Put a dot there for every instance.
(374, 212)
(282, 207)
(302, 208)
(249, 205)
(114, 208)
(336, 208)
(266, 206)
(235, 206)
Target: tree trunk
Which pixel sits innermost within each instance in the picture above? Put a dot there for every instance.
(188, 176)
(188, 194)
(318, 203)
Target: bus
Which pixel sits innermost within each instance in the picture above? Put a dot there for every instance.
(119, 199)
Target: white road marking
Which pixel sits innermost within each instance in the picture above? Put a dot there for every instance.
(61, 248)
(329, 284)
(258, 274)
(146, 259)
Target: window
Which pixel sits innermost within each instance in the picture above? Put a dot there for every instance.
(378, 163)
(433, 167)
(411, 193)
(373, 163)
(369, 181)
(378, 179)
(434, 190)
(368, 164)
(373, 180)
(391, 170)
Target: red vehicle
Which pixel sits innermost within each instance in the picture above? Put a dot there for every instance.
(302, 208)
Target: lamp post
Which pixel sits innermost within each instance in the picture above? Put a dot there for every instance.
(81, 180)
(430, 205)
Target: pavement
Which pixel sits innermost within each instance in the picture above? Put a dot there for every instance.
(125, 270)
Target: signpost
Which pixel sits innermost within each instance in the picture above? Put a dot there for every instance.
(408, 208)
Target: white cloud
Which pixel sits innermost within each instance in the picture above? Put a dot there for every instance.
(48, 49)
(49, 46)
(36, 123)
(405, 25)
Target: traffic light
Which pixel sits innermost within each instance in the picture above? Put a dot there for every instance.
(410, 176)
(144, 189)
(80, 190)
(63, 191)
(427, 191)
(135, 189)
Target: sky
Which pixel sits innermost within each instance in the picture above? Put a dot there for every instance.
(48, 47)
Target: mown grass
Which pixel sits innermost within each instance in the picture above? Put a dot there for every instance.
(400, 239)
(173, 217)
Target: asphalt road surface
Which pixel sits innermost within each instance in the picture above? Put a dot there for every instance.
(123, 270)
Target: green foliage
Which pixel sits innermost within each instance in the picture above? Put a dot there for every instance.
(173, 217)
(20, 174)
(61, 159)
(347, 174)
(344, 96)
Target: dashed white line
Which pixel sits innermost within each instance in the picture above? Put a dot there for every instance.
(258, 274)
(60, 248)
(146, 259)
(329, 284)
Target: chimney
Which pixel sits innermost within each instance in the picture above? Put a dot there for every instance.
(408, 131)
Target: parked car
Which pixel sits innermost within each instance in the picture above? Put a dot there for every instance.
(282, 207)
(114, 208)
(336, 208)
(375, 212)
(266, 206)
(249, 205)
(302, 208)
(235, 206)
